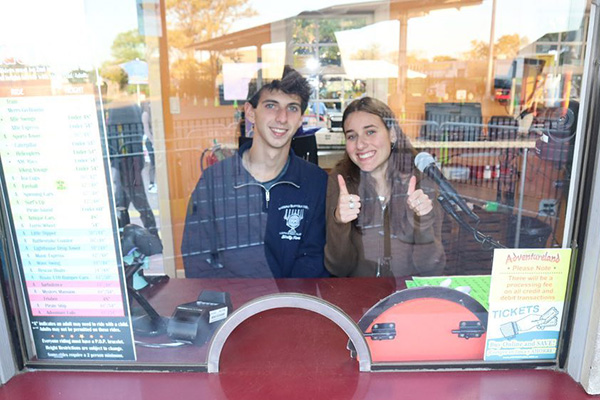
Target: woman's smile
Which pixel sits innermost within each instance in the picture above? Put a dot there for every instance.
(364, 156)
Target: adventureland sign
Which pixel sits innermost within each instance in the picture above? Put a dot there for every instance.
(527, 295)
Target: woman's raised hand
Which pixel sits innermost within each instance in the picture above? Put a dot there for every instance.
(417, 200)
(348, 205)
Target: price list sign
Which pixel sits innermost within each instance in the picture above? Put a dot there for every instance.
(54, 172)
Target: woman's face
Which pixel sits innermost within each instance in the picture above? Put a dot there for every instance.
(368, 141)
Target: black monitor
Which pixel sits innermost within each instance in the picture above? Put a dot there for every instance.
(452, 122)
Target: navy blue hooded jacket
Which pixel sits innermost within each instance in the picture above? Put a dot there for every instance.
(235, 227)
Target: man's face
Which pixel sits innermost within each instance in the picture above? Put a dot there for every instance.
(276, 118)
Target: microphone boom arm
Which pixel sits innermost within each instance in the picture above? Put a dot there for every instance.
(477, 235)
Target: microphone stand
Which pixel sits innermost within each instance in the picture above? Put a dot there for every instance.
(486, 241)
(151, 323)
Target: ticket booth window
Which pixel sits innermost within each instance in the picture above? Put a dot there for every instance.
(114, 117)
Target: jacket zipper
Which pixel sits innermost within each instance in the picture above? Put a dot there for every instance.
(267, 191)
(384, 259)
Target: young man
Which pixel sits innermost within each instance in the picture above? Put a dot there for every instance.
(261, 212)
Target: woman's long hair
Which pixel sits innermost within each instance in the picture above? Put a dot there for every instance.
(400, 161)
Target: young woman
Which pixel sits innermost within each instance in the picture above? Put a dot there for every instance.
(381, 220)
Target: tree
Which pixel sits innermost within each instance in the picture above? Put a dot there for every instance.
(194, 21)
(479, 50)
(443, 58)
(310, 33)
(507, 46)
(304, 31)
(114, 73)
(128, 46)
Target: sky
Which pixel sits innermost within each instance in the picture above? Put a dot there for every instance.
(65, 33)
(454, 29)
(73, 33)
(46, 34)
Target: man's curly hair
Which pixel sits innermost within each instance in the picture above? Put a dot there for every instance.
(291, 82)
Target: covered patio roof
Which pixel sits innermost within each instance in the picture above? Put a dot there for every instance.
(260, 35)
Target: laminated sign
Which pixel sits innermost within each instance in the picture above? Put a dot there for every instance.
(526, 302)
(55, 167)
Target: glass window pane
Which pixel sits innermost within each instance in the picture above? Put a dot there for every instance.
(140, 140)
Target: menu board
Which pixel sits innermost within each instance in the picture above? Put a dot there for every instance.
(55, 175)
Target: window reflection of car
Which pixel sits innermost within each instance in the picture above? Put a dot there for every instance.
(329, 120)
(328, 117)
(521, 67)
(325, 114)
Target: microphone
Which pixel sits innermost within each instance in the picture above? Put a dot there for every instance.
(426, 164)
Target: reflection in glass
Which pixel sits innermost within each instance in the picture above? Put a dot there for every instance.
(497, 108)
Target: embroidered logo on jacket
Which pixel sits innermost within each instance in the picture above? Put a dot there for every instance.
(294, 213)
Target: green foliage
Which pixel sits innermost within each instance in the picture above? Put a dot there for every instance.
(304, 30)
(128, 46)
(309, 33)
(328, 27)
(114, 73)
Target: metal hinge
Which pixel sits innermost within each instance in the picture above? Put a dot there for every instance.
(382, 331)
(469, 329)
